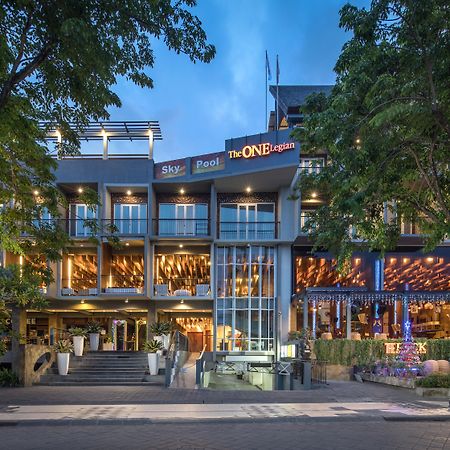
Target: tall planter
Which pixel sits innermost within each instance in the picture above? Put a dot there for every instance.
(78, 345)
(153, 363)
(63, 363)
(94, 339)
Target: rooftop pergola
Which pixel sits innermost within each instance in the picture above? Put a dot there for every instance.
(111, 131)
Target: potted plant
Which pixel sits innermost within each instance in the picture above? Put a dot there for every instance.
(161, 332)
(108, 343)
(78, 334)
(93, 329)
(152, 349)
(63, 350)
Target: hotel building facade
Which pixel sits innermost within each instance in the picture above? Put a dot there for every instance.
(214, 243)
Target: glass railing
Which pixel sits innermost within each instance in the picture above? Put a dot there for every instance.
(181, 227)
(124, 226)
(182, 287)
(248, 231)
(123, 284)
(81, 286)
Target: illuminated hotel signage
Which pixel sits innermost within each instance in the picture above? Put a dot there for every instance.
(393, 348)
(170, 169)
(208, 163)
(256, 150)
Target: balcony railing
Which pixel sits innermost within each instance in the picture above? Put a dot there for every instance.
(73, 227)
(248, 231)
(130, 227)
(181, 227)
(83, 287)
(123, 284)
(182, 287)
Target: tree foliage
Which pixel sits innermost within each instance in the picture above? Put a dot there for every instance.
(386, 128)
(59, 61)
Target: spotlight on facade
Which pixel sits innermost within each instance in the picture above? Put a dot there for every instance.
(181, 301)
(313, 194)
(82, 302)
(126, 300)
(181, 246)
(127, 244)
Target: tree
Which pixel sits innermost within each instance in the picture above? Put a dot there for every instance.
(58, 63)
(386, 128)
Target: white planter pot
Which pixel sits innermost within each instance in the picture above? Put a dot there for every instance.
(94, 339)
(108, 346)
(78, 345)
(166, 341)
(153, 363)
(63, 363)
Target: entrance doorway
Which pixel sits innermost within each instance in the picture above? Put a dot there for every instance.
(195, 341)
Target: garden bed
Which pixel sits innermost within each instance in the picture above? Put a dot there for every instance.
(409, 383)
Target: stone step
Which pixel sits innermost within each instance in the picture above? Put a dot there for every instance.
(102, 383)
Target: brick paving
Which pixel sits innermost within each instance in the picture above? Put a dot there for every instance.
(73, 395)
(317, 434)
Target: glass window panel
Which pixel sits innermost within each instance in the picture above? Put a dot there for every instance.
(167, 211)
(228, 212)
(201, 211)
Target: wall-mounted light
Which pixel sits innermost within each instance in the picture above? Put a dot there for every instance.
(181, 246)
(126, 300)
(181, 301)
(313, 194)
(82, 302)
(127, 244)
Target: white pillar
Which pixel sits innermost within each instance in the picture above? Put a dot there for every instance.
(305, 313)
(105, 145)
(150, 144)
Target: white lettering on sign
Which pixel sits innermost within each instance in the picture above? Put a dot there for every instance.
(168, 169)
(205, 164)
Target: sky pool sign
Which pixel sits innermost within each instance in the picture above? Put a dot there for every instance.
(170, 169)
(208, 163)
(259, 150)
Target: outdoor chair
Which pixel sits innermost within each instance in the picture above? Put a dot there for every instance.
(161, 290)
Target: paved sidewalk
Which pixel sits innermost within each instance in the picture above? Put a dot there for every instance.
(210, 412)
(104, 395)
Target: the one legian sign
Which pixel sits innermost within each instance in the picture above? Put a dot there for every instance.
(170, 169)
(393, 348)
(208, 163)
(257, 150)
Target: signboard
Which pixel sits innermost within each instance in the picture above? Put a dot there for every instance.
(208, 163)
(393, 348)
(258, 150)
(170, 169)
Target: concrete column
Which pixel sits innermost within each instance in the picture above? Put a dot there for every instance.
(348, 318)
(151, 317)
(105, 145)
(150, 144)
(284, 293)
(305, 313)
(19, 328)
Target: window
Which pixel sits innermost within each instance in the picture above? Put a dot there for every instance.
(312, 165)
(247, 221)
(130, 218)
(245, 298)
(183, 219)
(78, 215)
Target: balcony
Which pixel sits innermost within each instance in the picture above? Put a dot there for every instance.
(125, 227)
(79, 287)
(248, 231)
(123, 284)
(182, 287)
(184, 228)
(184, 273)
(79, 268)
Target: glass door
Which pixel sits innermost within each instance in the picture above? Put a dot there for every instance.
(79, 213)
(185, 220)
(130, 218)
(247, 221)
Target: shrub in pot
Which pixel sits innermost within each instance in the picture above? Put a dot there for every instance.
(93, 329)
(108, 343)
(152, 349)
(161, 332)
(63, 350)
(78, 334)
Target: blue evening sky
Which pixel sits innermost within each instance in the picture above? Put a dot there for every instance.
(201, 105)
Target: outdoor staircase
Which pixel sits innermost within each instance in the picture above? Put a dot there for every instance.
(106, 369)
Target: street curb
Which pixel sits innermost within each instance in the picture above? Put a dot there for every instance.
(290, 419)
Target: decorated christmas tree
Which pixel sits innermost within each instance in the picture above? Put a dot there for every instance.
(408, 350)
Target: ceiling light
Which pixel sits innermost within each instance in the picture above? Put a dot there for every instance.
(82, 302)
(126, 300)
(181, 301)
(36, 192)
(81, 245)
(182, 191)
(248, 189)
(80, 190)
(127, 244)
(128, 192)
(181, 246)
(313, 194)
